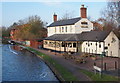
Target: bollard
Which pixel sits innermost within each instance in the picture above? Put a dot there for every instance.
(105, 66)
(94, 64)
(115, 65)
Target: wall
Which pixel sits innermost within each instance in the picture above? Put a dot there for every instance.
(59, 30)
(112, 43)
(59, 48)
(35, 43)
(78, 26)
(90, 47)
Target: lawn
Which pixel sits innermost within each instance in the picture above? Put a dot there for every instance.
(66, 75)
(96, 77)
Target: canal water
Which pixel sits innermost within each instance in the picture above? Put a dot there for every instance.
(23, 66)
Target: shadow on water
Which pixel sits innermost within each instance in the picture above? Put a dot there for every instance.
(24, 66)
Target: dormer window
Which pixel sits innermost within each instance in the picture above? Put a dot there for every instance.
(84, 23)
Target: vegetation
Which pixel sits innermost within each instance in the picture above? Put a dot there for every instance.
(30, 28)
(4, 34)
(67, 76)
(110, 16)
(96, 77)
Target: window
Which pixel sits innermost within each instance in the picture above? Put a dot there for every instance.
(45, 42)
(113, 40)
(62, 29)
(84, 23)
(66, 29)
(105, 47)
(63, 44)
(86, 43)
(84, 26)
(74, 44)
(108, 44)
(99, 45)
(69, 45)
(91, 43)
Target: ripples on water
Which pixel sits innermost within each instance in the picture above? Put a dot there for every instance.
(24, 67)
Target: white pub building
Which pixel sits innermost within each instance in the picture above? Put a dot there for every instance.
(78, 35)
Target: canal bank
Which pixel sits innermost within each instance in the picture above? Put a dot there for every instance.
(66, 70)
(60, 71)
(56, 73)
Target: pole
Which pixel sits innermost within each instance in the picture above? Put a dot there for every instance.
(55, 46)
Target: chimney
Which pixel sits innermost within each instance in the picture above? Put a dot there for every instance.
(55, 17)
(83, 11)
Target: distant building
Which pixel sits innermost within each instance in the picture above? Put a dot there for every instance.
(81, 35)
(35, 43)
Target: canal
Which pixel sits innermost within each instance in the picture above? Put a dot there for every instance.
(23, 66)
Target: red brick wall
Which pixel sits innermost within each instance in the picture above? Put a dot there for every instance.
(35, 43)
(83, 12)
(55, 17)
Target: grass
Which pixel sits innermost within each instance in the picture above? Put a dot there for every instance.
(66, 75)
(96, 77)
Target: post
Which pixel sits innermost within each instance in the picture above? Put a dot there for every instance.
(105, 66)
(60, 47)
(55, 46)
(64, 47)
(96, 45)
(115, 65)
(101, 64)
(95, 69)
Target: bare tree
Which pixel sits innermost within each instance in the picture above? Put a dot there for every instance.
(111, 15)
(67, 15)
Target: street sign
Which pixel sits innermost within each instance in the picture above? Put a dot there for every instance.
(97, 68)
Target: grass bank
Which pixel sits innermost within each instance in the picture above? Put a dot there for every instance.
(66, 75)
(96, 77)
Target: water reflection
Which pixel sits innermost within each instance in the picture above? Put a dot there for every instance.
(24, 66)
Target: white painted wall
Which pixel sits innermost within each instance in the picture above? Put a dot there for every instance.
(113, 47)
(92, 47)
(61, 30)
(59, 48)
(76, 28)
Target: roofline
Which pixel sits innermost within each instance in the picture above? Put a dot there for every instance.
(60, 25)
(77, 40)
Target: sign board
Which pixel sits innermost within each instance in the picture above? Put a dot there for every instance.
(97, 68)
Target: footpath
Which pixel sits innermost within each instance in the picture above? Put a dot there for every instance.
(73, 68)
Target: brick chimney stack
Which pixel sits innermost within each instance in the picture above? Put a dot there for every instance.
(83, 11)
(55, 17)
